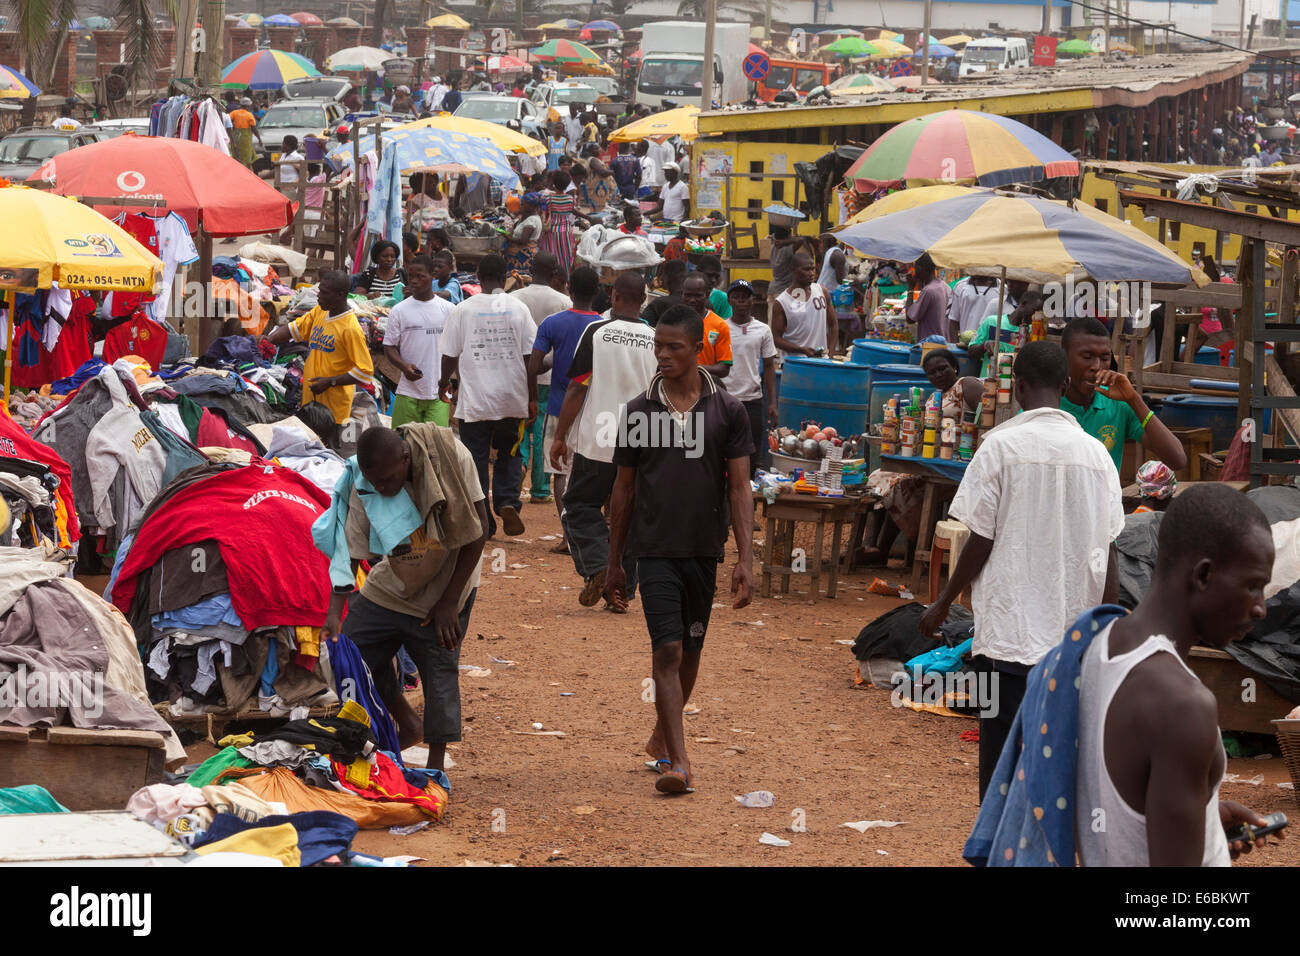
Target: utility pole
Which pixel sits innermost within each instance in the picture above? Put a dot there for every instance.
(925, 46)
(706, 74)
(767, 23)
(214, 24)
(1047, 17)
(519, 21)
(1105, 43)
(1241, 27)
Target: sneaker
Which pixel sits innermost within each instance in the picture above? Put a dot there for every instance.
(592, 590)
(539, 499)
(511, 522)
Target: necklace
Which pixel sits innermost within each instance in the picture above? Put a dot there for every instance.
(678, 416)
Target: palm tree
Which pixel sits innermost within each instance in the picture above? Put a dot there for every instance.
(43, 27)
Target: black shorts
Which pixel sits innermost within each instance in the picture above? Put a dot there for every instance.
(379, 632)
(677, 596)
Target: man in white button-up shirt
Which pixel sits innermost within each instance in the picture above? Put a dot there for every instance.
(1042, 500)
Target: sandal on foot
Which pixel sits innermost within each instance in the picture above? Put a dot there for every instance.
(674, 781)
(658, 766)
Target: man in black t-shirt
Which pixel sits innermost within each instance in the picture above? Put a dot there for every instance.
(683, 467)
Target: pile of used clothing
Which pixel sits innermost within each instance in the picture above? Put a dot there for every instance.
(225, 591)
(332, 764)
(62, 643)
(27, 408)
(36, 486)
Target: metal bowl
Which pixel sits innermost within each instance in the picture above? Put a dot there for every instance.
(810, 449)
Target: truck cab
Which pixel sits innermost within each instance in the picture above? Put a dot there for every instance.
(672, 63)
(801, 75)
(988, 54)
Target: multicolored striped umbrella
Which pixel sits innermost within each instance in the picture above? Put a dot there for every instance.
(252, 19)
(609, 25)
(960, 146)
(267, 70)
(564, 51)
(856, 83)
(15, 86)
(568, 23)
(1033, 239)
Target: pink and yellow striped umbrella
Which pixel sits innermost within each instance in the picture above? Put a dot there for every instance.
(960, 146)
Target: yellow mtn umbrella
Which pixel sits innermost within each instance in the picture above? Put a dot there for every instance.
(62, 240)
(448, 20)
(500, 136)
(890, 48)
(960, 39)
(683, 122)
(908, 199)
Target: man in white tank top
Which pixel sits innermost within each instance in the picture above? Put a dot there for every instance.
(1150, 756)
(802, 321)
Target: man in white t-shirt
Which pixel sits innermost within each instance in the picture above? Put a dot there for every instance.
(486, 344)
(613, 362)
(542, 300)
(662, 153)
(1041, 498)
(411, 342)
(753, 367)
(675, 195)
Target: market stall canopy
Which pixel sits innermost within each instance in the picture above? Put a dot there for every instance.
(840, 32)
(683, 122)
(280, 20)
(441, 151)
(960, 39)
(564, 51)
(252, 19)
(888, 35)
(15, 86)
(1075, 48)
(903, 199)
(938, 50)
(506, 64)
(449, 20)
(861, 83)
(303, 18)
(358, 59)
(204, 186)
(267, 70)
(608, 25)
(64, 241)
(565, 24)
(502, 137)
(342, 22)
(1033, 239)
(850, 46)
(890, 48)
(961, 146)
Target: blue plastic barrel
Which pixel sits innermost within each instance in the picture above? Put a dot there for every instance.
(833, 394)
(1207, 355)
(879, 352)
(898, 373)
(965, 364)
(1207, 411)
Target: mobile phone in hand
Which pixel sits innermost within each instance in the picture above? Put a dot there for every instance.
(1249, 834)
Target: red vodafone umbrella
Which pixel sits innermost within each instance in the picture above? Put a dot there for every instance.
(204, 186)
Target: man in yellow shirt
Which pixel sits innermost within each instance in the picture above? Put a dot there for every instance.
(339, 358)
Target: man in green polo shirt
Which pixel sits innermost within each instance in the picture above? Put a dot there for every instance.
(1105, 403)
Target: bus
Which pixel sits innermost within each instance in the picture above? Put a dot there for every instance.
(803, 75)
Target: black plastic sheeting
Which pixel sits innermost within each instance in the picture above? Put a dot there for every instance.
(1272, 649)
(896, 634)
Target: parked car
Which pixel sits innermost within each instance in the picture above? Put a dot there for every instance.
(24, 151)
(495, 108)
(112, 128)
(312, 106)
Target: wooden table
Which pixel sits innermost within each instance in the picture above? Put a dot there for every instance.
(929, 470)
(782, 515)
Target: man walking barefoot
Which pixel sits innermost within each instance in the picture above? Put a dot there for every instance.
(683, 467)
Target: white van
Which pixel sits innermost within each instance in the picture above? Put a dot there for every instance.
(994, 53)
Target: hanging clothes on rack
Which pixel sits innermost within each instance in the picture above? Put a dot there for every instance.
(167, 237)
